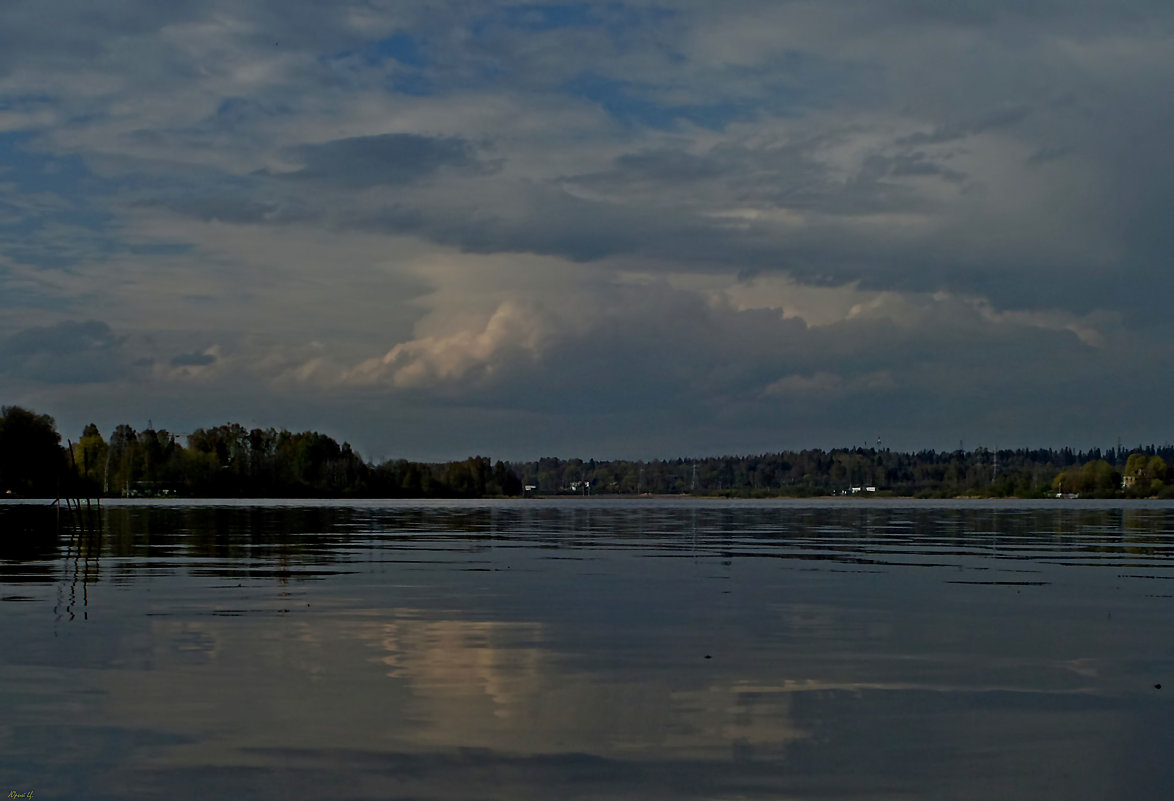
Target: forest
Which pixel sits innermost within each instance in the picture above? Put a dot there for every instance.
(226, 461)
(231, 461)
(1142, 472)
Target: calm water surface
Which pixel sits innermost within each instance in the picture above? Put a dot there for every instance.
(590, 650)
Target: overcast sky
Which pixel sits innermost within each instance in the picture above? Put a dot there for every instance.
(601, 230)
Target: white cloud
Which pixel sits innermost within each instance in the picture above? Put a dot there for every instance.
(513, 333)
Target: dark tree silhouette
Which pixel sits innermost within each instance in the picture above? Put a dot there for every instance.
(32, 461)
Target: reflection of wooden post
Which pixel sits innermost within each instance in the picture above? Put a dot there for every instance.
(75, 507)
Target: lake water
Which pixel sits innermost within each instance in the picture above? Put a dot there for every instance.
(635, 649)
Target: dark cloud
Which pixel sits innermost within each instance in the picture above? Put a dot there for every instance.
(60, 339)
(663, 371)
(535, 218)
(193, 359)
(1047, 153)
(953, 131)
(65, 353)
(550, 221)
(238, 209)
(789, 176)
(664, 164)
(384, 159)
(913, 164)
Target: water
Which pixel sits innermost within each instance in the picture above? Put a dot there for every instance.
(591, 650)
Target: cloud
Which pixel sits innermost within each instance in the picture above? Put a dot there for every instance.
(667, 359)
(384, 159)
(68, 352)
(60, 339)
(193, 359)
(472, 357)
(991, 120)
(817, 384)
(680, 220)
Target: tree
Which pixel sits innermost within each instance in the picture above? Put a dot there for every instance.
(32, 461)
(1145, 474)
(1100, 479)
(89, 456)
(122, 460)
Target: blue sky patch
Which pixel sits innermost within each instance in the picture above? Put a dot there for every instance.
(35, 171)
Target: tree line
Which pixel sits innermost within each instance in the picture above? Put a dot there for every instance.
(223, 461)
(232, 461)
(1024, 473)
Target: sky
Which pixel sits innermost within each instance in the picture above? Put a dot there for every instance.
(605, 230)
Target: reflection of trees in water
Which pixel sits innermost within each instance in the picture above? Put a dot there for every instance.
(28, 532)
(32, 538)
(838, 532)
(252, 542)
(848, 532)
(299, 541)
(1117, 530)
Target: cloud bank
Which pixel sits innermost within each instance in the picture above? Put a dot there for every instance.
(631, 230)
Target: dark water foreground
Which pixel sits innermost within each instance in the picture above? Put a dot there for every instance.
(591, 650)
